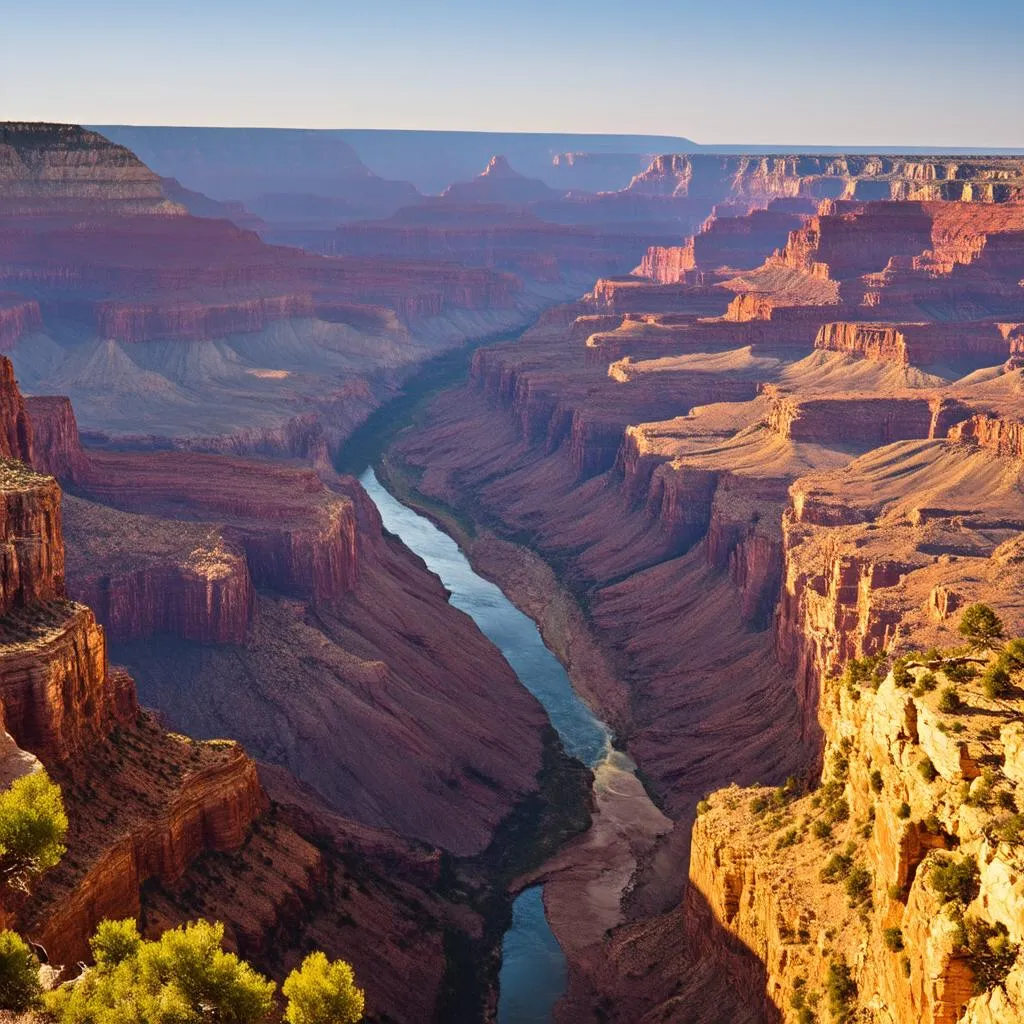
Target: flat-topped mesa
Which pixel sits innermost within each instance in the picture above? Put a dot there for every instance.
(637, 337)
(847, 239)
(996, 179)
(298, 536)
(63, 168)
(636, 295)
(135, 322)
(18, 316)
(142, 575)
(668, 264)
(920, 344)
(851, 419)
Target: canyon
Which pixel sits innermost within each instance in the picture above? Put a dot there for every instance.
(164, 827)
(788, 441)
(750, 465)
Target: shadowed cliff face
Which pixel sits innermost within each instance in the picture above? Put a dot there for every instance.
(313, 625)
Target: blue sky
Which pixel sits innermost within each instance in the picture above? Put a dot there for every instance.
(903, 72)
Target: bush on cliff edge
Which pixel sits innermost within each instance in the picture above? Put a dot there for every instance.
(186, 976)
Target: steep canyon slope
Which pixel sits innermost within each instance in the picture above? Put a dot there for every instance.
(166, 828)
(687, 451)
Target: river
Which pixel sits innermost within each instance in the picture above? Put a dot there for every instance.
(533, 970)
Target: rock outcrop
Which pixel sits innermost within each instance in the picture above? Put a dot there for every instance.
(61, 168)
(57, 449)
(143, 575)
(18, 317)
(299, 538)
(499, 183)
(987, 179)
(61, 702)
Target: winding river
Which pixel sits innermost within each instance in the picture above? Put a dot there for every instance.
(533, 971)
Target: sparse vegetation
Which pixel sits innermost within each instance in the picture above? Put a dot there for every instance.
(960, 671)
(893, 939)
(1010, 829)
(838, 811)
(901, 674)
(837, 867)
(841, 990)
(787, 839)
(868, 671)
(949, 701)
(995, 681)
(1012, 656)
(955, 879)
(858, 885)
(989, 950)
(927, 769)
(821, 829)
(876, 781)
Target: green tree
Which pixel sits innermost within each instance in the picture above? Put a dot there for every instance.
(322, 992)
(996, 681)
(32, 827)
(841, 989)
(981, 626)
(955, 880)
(115, 942)
(184, 977)
(19, 973)
(1013, 655)
(949, 701)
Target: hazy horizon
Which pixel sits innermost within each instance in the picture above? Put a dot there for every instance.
(797, 75)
